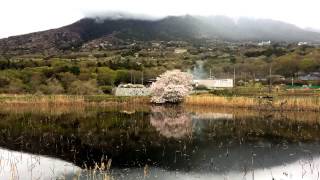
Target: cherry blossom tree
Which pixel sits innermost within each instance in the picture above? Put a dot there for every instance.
(171, 87)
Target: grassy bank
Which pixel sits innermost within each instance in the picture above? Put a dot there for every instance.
(280, 103)
(73, 100)
(277, 103)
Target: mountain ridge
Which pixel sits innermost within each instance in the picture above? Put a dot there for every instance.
(185, 28)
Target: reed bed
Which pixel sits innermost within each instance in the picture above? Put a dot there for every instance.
(41, 100)
(70, 100)
(276, 104)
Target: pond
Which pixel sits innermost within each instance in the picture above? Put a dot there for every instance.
(156, 142)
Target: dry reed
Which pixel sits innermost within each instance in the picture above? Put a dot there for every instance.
(275, 104)
(41, 100)
(290, 103)
(69, 100)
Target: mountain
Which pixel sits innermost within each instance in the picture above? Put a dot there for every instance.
(186, 28)
(312, 29)
(258, 29)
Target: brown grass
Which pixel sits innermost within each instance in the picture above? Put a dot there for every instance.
(70, 100)
(41, 100)
(277, 103)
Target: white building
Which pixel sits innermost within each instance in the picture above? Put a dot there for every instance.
(180, 50)
(131, 90)
(302, 43)
(264, 43)
(214, 83)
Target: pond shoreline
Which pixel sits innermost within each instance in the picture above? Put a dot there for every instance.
(172, 138)
(268, 103)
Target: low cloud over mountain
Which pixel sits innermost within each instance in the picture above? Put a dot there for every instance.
(169, 28)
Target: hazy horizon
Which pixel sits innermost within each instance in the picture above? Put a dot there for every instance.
(38, 15)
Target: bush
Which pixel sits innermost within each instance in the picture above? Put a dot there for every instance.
(74, 70)
(122, 76)
(84, 88)
(4, 81)
(106, 76)
(201, 87)
(53, 87)
(66, 78)
(106, 79)
(222, 92)
(16, 87)
(106, 89)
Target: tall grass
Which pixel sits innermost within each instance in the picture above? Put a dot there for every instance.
(41, 100)
(73, 100)
(277, 103)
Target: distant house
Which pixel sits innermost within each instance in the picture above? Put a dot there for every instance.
(131, 90)
(180, 50)
(155, 44)
(314, 76)
(214, 83)
(264, 43)
(276, 77)
(302, 43)
(260, 79)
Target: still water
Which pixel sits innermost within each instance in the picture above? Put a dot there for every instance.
(155, 142)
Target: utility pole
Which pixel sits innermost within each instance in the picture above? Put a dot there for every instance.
(142, 78)
(292, 81)
(131, 76)
(270, 78)
(134, 79)
(210, 76)
(234, 76)
(245, 76)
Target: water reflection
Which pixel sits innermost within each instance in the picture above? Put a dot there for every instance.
(156, 142)
(171, 122)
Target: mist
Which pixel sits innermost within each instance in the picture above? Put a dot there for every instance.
(116, 15)
(198, 71)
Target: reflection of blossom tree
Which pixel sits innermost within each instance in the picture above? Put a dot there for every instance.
(171, 122)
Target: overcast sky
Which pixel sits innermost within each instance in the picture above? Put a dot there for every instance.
(24, 16)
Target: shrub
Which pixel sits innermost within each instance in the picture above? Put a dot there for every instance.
(66, 78)
(4, 81)
(201, 87)
(83, 88)
(74, 70)
(122, 76)
(106, 89)
(53, 87)
(222, 92)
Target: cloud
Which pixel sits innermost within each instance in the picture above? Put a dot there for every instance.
(119, 15)
(18, 17)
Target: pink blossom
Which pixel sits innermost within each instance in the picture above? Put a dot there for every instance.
(171, 86)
